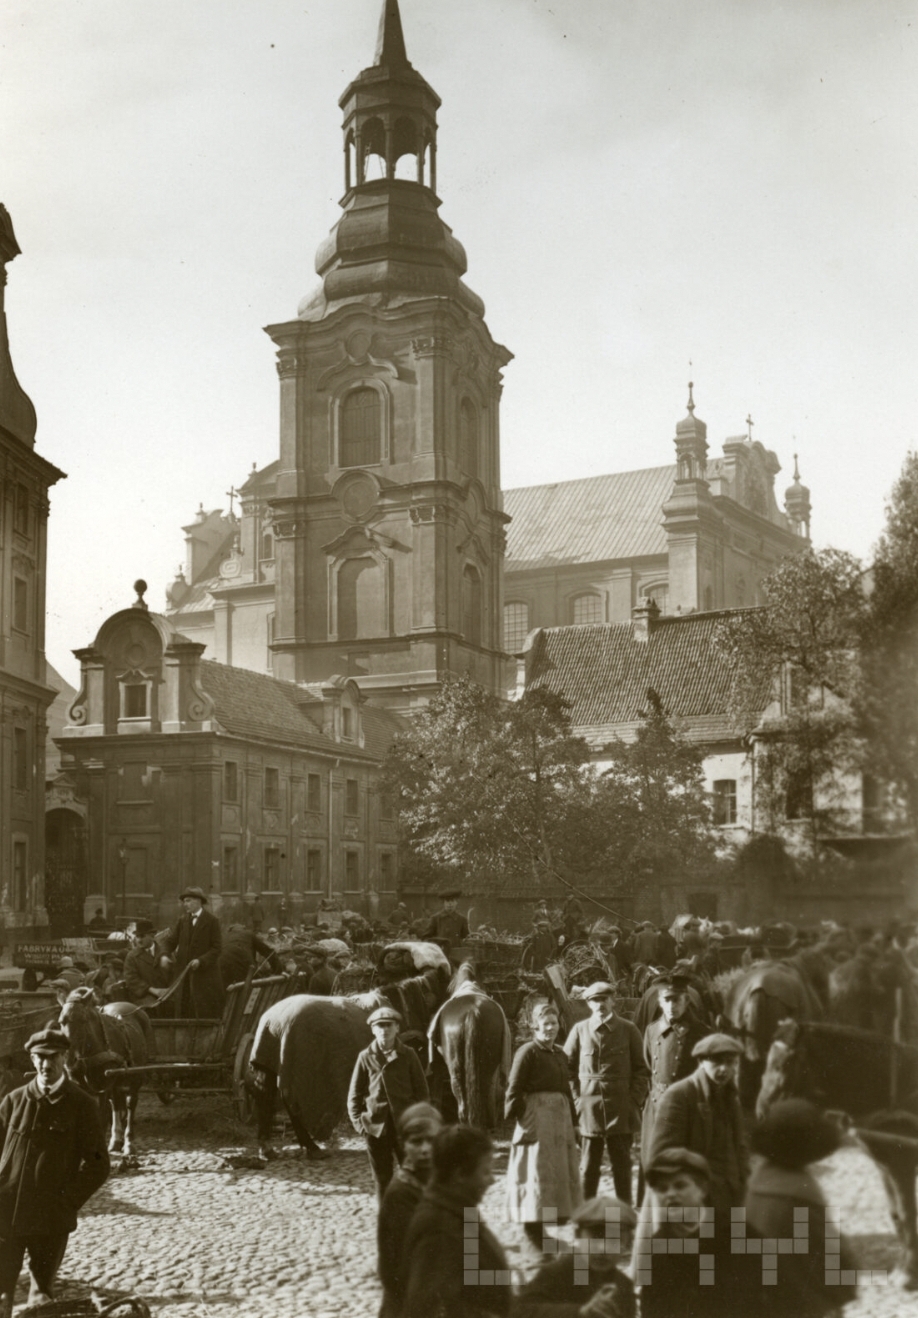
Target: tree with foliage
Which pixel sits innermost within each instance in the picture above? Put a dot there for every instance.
(493, 788)
(797, 659)
(654, 789)
(888, 695)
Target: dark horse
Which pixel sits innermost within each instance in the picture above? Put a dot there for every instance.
(875, 1082)
(101, 1041)
(470, 1042)
(307, 1046)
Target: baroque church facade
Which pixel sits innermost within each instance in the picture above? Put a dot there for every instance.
(374, 557)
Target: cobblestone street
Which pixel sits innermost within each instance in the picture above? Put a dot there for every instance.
(195, 1235)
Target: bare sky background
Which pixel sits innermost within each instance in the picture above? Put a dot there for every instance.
(636, 185)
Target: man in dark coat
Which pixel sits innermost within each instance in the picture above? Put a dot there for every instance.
(668, 1044)
(399, 917)
(453, 1265)
(387, 1079)
(572, 918)
(666, 948)
(143, 970)
(52, 1158)
(702, 1113)
(418, 1126)
(448, 927)
(242, 949)
(606, 1056)
(643, 944)
(198, 943)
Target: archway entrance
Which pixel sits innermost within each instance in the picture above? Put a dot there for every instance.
(65, 871)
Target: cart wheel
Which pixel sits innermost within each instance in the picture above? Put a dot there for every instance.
(242, 1100)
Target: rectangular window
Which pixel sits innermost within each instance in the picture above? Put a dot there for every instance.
(20, 875)
(230, 780)
(387, 872)
(352, 797)
(272, 870)
(272, 788)
(725, 801)
(386, 807)
(21, 759)
(21, 514)
(230, 869)
(516, 625)
(134, 700)
(351, 871)
(347, 723)
(313, 871)
(799, 797)
(313, 793)
(20, 604)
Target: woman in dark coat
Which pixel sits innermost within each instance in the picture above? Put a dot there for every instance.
(542, 1171)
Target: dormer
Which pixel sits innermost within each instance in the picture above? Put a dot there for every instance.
(341, 702)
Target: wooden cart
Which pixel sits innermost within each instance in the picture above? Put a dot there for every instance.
(212, 1056)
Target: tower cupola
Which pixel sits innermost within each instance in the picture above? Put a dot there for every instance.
(691, 444)
(797, 503)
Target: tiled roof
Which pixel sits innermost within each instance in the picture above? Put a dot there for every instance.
(605, 674)
(586, 521)
(255, 705)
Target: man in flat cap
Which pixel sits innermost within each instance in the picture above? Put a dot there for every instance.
(52, 1158)
(668, 1044)
(702, 1113)
(589, 1280)
(387, 1079)
(448, 926)
(198, 943)
(606, 1057)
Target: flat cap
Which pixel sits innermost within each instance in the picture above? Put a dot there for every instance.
(47, 1043)
(717, 1045)
(601, 989)
(596, 1210)
(451, 894)
(193, 892)
(674, 1160)
(419, 1119)
(383, 1014)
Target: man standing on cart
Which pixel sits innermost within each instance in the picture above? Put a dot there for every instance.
(198, 944)
(447, 926)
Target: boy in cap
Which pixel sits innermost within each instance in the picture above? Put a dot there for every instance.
(417, 1128)
(589, 1280)
(606, 1057)
(387, 1079)
(702, 1113)
(52, 1158)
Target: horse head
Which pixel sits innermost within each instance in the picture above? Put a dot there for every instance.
(81, 1022)
(786, 1073)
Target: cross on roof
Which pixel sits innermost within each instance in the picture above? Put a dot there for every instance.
(750, 423)
(232, 493)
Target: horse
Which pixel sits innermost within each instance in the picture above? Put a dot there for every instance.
(470, 1041)
(767, 993)
(120, 1035)
(307, 1045)
(872, 1080)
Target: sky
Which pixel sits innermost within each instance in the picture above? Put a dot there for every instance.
(638, 187)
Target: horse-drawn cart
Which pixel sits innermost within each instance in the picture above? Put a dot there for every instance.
(210, 1056)
(22, 1015)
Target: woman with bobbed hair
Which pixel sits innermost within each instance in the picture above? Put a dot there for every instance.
(543, 1170)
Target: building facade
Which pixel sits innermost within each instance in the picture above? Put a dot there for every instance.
(25, 695)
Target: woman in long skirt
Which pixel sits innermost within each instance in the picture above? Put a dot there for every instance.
(543, 1170)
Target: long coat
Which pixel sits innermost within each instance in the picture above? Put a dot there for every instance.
(686, 1119)
(142, 972)
(53, 1158)
(443, 1277)
(382, 1089)
(668, 1054)
(609, 1073)
(202, 941)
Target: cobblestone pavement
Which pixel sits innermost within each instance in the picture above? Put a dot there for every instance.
(199, 1237)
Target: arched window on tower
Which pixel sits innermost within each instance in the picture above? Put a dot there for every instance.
(361, 599)
(360, 436)
(373, 150)
(405, 149)
(585, 609)
(471, 605)
(468, 438)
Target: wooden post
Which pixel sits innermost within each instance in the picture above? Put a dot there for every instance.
(894, 1053)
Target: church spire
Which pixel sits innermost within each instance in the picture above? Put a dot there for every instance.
(390, 43)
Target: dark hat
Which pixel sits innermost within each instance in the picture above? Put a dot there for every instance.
(419, 1119)
(193, 892)
(601, 989)
(795, 1132)
(595, 1210)
(671, 1161)
(451, 894)
(671, 980)
(383, 1014)
(47, 1043)
(717, 1045)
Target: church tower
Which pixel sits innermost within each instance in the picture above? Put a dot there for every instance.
(387, 517)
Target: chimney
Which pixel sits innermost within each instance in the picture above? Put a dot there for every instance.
(643, 619)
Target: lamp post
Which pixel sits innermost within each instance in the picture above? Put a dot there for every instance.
(123, 857)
